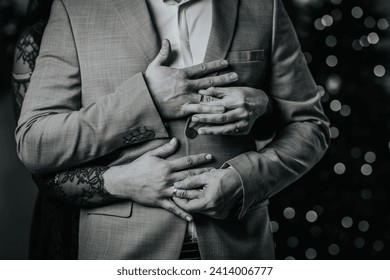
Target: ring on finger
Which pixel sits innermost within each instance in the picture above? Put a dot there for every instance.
(174, 192)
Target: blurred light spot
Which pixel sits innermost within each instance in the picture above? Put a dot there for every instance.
(321, 90)
(366, 169)
(334, 132)
(369, 22)
(337, 14)
(370, 157)
(311, 216)
(335, 105)
(332, 61)
(345, 111)
(292, 242)
(326, 97)
(364, 41)
(339, 168)
(331, 41)
(311, 254)
(378, 245)
(373, 38)
(274, 226)
(357, 12)
(333, 84)
(290, 258)
(356, 152)
(327, 20)
(383, 24)
(359, 242)
(334, 249)
(316, 231)
(356, 45)
(318, 24)
(363, 226)
(308, 57)
(347, 222)
(379, 71)
(289, 213)
(366, 194)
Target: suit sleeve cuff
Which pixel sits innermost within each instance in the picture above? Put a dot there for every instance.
(253, 184)
(148, 124)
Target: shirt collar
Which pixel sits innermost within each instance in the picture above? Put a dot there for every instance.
(173, 2)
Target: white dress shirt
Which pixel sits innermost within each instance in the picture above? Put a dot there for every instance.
(187, 25)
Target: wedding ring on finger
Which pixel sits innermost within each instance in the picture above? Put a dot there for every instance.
(174, 192)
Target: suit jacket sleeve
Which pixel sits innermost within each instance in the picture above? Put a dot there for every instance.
(304, 135)
(54, 131)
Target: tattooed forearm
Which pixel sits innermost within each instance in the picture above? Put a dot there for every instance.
(83, 186)
(19, 89)
(27, 48)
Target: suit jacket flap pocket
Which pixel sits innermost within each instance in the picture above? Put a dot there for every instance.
(246, 56)
(123, 209)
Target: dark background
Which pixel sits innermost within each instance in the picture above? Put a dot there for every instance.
(340, 209)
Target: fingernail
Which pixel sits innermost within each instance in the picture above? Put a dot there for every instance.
(195, 119)
(202, 91)
(224, 62)
(233, 76)
(201, 131)
(208, 156)
(173, 141)
(188, 218)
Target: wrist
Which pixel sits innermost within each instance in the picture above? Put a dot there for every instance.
(113, 182)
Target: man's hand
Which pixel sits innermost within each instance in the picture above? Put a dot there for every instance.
(243, 105)
(212, 193)
(149, 179)
(175, 91)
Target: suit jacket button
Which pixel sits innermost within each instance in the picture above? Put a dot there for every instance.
(126, 142)
(191, 133)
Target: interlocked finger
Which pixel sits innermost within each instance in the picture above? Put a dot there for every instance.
(207, 82)
(181, 175)
(205, 68)
(227, 117)
(236, 128)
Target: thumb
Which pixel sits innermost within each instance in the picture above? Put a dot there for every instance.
(163, 54)
(164, 150)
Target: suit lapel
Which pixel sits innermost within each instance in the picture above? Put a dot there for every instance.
(135, 16)
(222, 30)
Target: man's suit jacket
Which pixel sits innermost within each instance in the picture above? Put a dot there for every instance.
(88, 103)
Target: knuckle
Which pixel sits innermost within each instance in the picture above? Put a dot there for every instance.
(222, 118)
(183, 194)
(189, 161)
(211, 81)
(203, 67)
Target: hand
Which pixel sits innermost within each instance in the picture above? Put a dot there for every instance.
(212, 193)
(148, 180)
(244, 106)
(175, 90)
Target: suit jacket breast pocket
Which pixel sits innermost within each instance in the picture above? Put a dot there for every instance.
(123, 210)
(250, 67)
